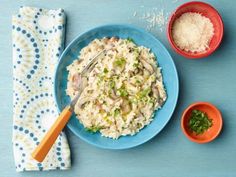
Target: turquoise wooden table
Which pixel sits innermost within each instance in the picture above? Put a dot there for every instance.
(170, 153)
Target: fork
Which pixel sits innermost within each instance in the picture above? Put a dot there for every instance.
(50, 137)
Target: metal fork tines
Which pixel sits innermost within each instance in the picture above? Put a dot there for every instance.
(93, 62)
(89, 67)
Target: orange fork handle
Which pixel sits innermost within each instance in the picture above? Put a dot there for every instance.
(45, 145)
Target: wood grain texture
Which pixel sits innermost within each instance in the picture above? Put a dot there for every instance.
(170, 153)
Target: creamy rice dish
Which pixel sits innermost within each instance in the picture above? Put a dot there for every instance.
(123, 90)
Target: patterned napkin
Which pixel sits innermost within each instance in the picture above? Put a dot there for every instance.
(38, 36)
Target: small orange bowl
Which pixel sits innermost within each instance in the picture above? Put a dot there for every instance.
(212, 113)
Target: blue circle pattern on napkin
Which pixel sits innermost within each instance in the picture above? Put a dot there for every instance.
(38, 36)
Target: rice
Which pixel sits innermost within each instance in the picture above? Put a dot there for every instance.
(122, 91)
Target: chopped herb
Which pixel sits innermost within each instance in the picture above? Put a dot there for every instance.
(138, 81)
(144, 93)
(120, 62)
(116, 112)
(136, 65)
(93, 129)
(199, 122)
(107, 120)
(122, 92)
(152, 100)
(133, 100)
(112, 84)
(105, 70)
(101, 76)
(130, 39)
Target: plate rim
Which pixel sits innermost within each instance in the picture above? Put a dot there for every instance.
(112, 26)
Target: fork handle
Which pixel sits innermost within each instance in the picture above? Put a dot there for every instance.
(46, 143)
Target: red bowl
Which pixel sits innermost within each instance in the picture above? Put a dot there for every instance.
(207, 11)
(212, 112)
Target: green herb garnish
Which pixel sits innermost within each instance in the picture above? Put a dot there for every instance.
(93, 129)
(122, 92)
(105, 70)
(144, 93)
(199, 122)
(136, 65)
(152, 100)
(120, 62)
(133, 100)
(116, 112)
(112, 84)
(101, 76)
(137, 81)
(130, 39)
(107, 120)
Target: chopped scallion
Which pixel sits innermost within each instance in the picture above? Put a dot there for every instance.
(199, 122)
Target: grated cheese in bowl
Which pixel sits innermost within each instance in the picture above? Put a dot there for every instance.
(192, 32)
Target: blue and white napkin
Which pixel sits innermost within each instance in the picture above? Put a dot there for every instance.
(38, 37)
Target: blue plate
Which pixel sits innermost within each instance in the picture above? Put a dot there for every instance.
(170, 76)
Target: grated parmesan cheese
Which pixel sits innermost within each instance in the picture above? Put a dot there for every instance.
(155, 18)
(192, 32)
